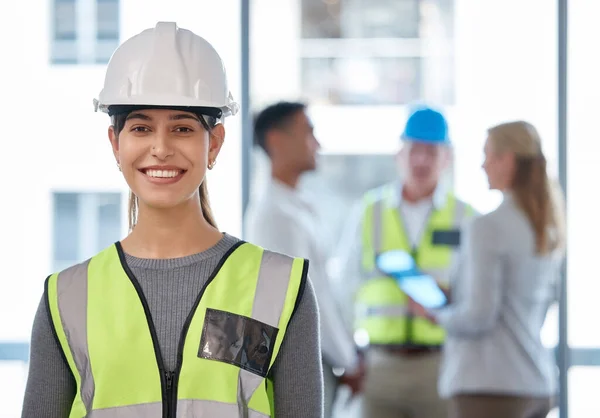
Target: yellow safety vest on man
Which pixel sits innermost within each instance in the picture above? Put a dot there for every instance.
(229, 342)
(381, 306)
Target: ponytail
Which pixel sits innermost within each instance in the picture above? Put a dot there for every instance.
(204, 203)
(542, 202)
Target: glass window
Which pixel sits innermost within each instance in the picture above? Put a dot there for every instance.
(584, 225)
(360, 18)
(359, 52)
(107, 19)
(65, 26)
(84, 224)
(13, 378)
(321, 19)
(583, 151)
(78, 41)
(109, 219)
(361, 81)
(66, 226)
(582, 383)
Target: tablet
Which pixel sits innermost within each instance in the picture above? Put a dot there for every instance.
(424, 290)
(420, 287)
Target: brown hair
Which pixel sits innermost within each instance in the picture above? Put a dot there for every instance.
(208, 122)
(540, 199)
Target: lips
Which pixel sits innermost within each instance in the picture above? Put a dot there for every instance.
(161, 173)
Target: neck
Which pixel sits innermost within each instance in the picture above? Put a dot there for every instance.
(415, 194)
(170, 233)
(285, 175)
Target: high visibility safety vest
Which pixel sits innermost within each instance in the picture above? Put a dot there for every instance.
(381, 307)
(229, 342)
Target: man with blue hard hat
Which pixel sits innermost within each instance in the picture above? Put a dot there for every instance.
(415, 215)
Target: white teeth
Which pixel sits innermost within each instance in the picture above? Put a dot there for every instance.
(162, 173)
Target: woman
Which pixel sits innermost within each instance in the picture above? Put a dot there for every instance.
(177, 319)
(495, 364)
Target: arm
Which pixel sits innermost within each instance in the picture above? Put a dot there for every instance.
(476, 309)
(297, 372)
(50, 389)
(349, 259)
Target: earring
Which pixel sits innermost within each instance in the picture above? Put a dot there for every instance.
(119, 166)
(211, 164)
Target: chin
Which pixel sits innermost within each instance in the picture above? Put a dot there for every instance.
(155, 201)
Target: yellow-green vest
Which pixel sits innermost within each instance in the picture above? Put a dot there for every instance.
(229, 342)
(381, 307)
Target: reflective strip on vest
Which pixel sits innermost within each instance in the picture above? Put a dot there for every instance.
(275, 294)
(391, 311)
(268, 305)
(185, 408)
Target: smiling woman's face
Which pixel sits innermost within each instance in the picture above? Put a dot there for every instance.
(164, 154)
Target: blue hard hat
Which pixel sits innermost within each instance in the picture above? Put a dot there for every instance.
(426, 125)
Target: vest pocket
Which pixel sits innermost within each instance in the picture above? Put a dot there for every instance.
(237, 340)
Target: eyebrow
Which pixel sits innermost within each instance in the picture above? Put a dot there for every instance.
(178, 116)
(137, 115)
(181, 116)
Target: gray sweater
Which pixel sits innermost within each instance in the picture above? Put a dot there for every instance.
(171, 286)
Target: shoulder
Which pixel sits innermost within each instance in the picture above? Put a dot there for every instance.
(468, 210)
(109, 255)
(275, 258)
(74, 271)
(377, 194)
(489, 229)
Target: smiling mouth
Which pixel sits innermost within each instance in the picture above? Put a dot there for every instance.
(162, 174)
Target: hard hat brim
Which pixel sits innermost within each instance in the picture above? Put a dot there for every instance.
(207, 111)
(104, 104)
(444, 142)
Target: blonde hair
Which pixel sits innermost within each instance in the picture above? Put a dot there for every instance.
(541, 199)
(204, 203)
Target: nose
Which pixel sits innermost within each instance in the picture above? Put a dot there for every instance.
(161, 148)
(421, 159)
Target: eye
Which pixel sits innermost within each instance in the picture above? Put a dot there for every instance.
(184, 129)
(140, 129)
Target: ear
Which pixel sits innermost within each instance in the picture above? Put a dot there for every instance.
(448, 154)
(401, 153)
(216, 138)
(114, 142)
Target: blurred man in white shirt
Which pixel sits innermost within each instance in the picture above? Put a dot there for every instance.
(284, 220)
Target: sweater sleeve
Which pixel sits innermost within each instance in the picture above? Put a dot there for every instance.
(50, 389)
(298, 372)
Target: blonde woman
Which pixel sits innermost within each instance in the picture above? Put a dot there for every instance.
(495, 364)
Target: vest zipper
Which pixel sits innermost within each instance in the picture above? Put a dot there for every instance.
(186, 326)
(159, 358)
(169, 376)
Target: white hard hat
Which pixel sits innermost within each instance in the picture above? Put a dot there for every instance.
(167, 67)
